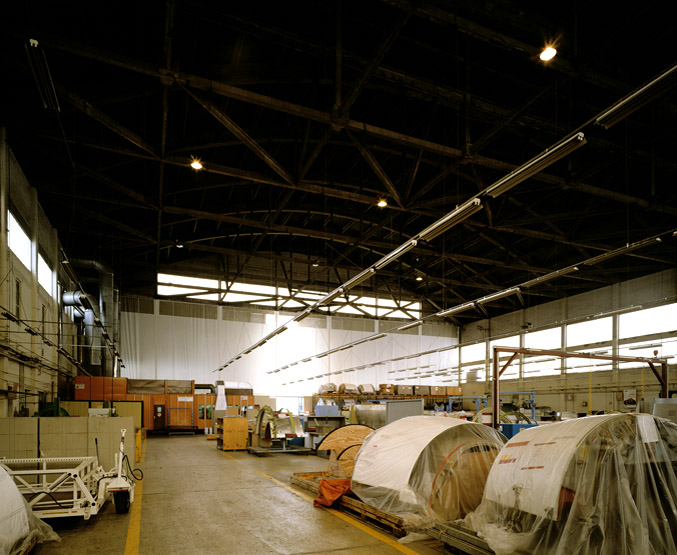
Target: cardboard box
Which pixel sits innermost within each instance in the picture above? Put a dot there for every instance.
(438, 390)
(404, 389)
(386, 389)
(454, 390)
(421, 390)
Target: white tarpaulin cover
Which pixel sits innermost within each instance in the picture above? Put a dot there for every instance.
(601, 485)
(19, 528)
(427, 467)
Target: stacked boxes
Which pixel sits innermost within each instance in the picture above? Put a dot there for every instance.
(386, 389)
(404, 390)
(421, 390)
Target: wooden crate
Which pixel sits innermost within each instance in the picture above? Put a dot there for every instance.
(232, 433)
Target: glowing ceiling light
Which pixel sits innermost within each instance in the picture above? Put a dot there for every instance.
(419, 278)
(548, 53)
(382, 203)
(196, 164)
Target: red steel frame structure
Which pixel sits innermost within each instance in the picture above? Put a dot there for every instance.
(495, 419)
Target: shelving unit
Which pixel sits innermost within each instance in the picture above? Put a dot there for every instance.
(361, 398)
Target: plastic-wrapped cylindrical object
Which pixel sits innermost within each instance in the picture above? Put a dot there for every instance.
(600, 485)
(434, 468)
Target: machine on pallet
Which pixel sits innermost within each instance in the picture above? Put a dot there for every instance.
(73, 486)
(600, 485)
(426, 468)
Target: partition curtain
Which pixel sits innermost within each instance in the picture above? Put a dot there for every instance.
(171, 347)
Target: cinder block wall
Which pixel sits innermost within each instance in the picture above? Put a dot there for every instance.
(66, 437)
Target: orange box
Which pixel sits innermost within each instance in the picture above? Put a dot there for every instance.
(454, 390)
(438, 390)
(82, 388)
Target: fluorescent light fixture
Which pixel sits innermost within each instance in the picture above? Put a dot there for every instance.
(419, 278)
(196, 164)
(331, 296)
(42, 76)
(536, 165)
(551, 275)
(451, 219)
(635, 100)
(359, 278)
(301, 315)
(382, 203)
(498, 295)
(410, 325)
(548, 53)
(622, 250)
(651, 346)
(360, 341)
(456, 309)
(388, 258)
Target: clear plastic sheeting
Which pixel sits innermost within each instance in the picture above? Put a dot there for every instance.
(600, 485)
(19, 528)
(426, 469)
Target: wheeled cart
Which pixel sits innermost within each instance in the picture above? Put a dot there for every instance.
(71, 486)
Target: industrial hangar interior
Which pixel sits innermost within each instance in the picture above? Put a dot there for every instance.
(383, 255)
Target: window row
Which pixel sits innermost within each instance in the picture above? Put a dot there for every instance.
(21, 245)
(281, 298)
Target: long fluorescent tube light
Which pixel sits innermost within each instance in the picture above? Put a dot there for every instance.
(451, 219)
(359, 278)
(635, 100)
(410, 325)
(622, 250)
(536, 165)
(551, 275)
(455, 309)
(360, 341)
(498, 295)
(388, 258)
(42, 76)
(301, 315)
(331, 296)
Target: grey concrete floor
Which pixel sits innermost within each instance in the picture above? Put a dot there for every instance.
(196, 499)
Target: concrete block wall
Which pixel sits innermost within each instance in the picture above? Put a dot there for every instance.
(66, 437)
(18, 436)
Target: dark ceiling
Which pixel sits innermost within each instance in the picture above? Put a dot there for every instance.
(305, 113)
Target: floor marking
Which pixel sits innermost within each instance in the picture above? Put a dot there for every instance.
(134, 529)
(226, 454)
(350, 520)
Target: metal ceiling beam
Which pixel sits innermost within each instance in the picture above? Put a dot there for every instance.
(378, 170)
(111, 222)
(368, 71)
(325, 118)
(220, 116)
(116, 186)
(105, 120)
(439, 16)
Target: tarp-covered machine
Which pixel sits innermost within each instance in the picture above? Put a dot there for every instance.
(426, 468)
(600, 485)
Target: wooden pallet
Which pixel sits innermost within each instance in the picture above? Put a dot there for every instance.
(352, 505)
(460, 538)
